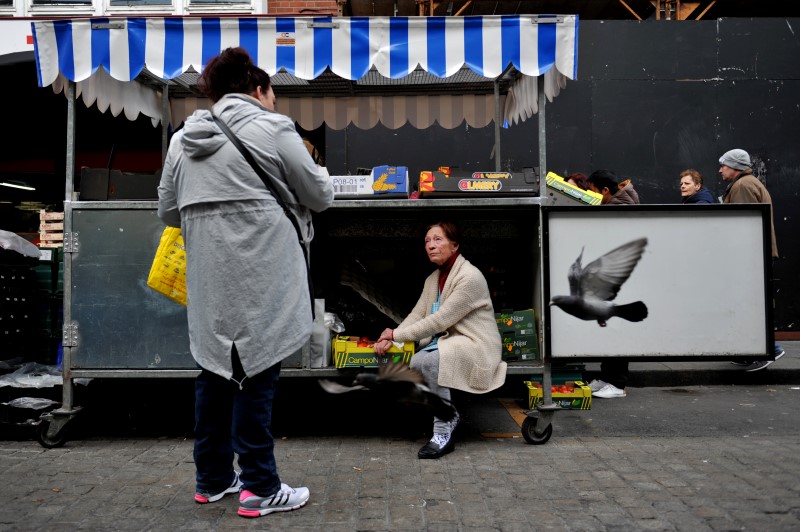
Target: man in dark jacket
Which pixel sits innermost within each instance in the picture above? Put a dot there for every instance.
(613, 372)
(614, 191)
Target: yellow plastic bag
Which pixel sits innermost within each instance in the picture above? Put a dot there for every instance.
(168, 272)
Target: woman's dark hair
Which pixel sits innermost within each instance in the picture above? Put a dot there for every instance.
(604, 179)
(579, 179)
(232, 71)
(450, 230)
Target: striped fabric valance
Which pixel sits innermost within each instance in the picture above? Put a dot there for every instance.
(102, 54)
(306, 46)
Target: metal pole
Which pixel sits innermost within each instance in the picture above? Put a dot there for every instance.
(70, 170)
(542, 139)
(497, 118)
(547, 397)
(66, 360)
(165, 121)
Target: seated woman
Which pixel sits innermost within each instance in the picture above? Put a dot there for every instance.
(692, 189)
(454, 323)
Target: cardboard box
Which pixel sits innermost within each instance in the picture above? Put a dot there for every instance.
(520, 346)
(443, 183)
(384, 181)
(45, 215)
(347, 353)
(557, 183)
(521, 321)
(51, 226)
(578, 396)
(46, 237)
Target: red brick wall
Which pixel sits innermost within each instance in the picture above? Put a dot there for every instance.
(302, 7)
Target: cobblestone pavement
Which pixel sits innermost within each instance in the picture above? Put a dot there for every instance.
(710, 457)
(357, 483)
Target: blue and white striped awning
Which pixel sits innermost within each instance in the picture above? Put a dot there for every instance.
(306, 46)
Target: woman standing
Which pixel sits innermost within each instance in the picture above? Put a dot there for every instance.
(248, 302)
(455, 325)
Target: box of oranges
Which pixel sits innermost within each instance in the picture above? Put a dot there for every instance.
(359, 352)
(570, 395)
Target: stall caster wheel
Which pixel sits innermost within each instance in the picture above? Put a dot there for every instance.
(531, 435)
(50, 437)
(52, 429)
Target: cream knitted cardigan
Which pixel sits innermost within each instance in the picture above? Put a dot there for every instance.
(470, 348)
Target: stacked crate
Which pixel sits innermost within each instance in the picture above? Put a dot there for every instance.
(51, 229)
(18, 305)
(49, 276)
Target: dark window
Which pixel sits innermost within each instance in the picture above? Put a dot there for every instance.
(62, 2)
(118, 3)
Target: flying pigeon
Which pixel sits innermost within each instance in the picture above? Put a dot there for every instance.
(400, 383)
(591, 289)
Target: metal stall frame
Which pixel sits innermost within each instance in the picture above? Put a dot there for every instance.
(537, 427)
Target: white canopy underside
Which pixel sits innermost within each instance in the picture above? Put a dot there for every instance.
(365, 112)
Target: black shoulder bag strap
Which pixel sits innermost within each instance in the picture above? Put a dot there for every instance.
(268, 183)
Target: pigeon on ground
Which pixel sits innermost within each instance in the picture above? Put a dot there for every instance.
(400, 383)
(591, 289)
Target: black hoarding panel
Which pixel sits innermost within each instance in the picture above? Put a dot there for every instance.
(569, 123)
(650, 49)
(761, 117)
(759, 48)
(649, 131)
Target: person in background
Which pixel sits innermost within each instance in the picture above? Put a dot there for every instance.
(248, 303)
(614, 191)
(614, 372)
(692, 189)
(743, 187)
(579, 180)
(460, 346)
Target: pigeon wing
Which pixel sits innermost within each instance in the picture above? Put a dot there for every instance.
(334, 387)
(603, 277)
(400, 372)
(574, 277)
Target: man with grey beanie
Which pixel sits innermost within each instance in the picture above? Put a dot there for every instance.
(735, 168)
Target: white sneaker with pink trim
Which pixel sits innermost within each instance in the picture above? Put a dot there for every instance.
(285, 499)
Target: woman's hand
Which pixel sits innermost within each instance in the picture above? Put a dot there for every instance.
(382, 346)
(387, 334)
(384, 343)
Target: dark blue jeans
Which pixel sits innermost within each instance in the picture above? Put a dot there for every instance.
(615, 372)
(229, 419)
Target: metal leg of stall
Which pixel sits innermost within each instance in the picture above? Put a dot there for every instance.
(537, 426)
(52, 425)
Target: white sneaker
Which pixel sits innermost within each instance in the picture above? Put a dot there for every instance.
(204, 497)
(285, 500)
(609, 391)
(597, 385)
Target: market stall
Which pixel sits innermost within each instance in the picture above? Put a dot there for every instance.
(116, 327)
(97, 59)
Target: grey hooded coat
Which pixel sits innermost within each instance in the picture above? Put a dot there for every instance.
(245, 275)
